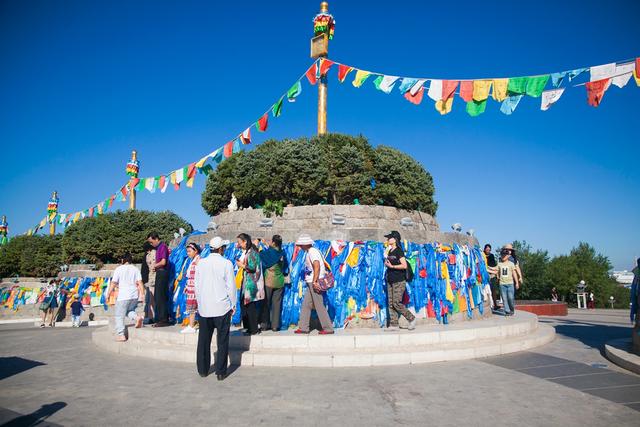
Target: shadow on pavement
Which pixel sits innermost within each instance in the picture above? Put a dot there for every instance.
(14, 365)
(37, 417)
(592, 335)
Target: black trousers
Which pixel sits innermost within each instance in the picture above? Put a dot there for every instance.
(270, 309)
(203, 355)
(161, 297)
(250, 317)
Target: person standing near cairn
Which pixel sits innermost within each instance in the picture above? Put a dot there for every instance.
(215, 290)
(149, 280)
(508, 278)
(193, 252)
(396, 264)
(128, 279)
(314, 270)
(252, 289)
(161, 269)
(275, 268)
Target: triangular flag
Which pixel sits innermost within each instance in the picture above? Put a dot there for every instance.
(417, 86)
(123, 192)
(623, 74)
(510, 103)
(217, 157)
(343, 70)
(385, 83)
(360, 78)
(312, 74)
(150, 185)
(263, 122)
(141, 184)
(325, 64)
(475, 108)
(550, 97)
(163, 182)
(294, 91)
(228, 149)
(276, 110)
(415, 99)
(596, 90)
(245, 137)
(406, 84)
(134, 182)
(466, 90)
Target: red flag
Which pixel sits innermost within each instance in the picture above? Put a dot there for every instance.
(595, 91)
(325, 64)
(449, 87)
(90, 212)
(263, 122)
(191, 170)
(414, 99)
(245, 137)
(638, 67)
(228, 149)
(134, 182)
(161, 182)
(124, 190)
(176, 186)
(466, 90)
(311, 74)
(343, 70)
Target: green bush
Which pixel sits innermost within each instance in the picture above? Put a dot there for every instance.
(31, 256)
(333, 168)
(104, 239)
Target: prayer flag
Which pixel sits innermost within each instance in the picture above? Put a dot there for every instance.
(535, 85)
(245, 137)
(600, 72)
(623, 74)
(475, 108)
(481, 90)
(596, 90)
(294, 91)
(325, 64)
(417, 86)
(385, 83)
(228, 149)
(141, 184)
(500, 89)
(163, 182)
(406, 84)
(517, 85)
(550, 97)
(466, 90)
(360, 78)
(415, 99)
(263, 122)
(276, 110)
(312, 74)
(435, 90)
(343, 70)
(510, 103)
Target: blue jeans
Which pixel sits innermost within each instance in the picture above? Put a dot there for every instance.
(126, 308)
(508, 295)
(75, 319)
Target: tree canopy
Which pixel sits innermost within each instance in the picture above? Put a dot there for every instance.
(31, 256)
(333, 168)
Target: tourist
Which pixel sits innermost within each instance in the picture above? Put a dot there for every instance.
(161, 269)
(76, 311)
(508, 278)
(49, 303)
(513, 257)
(591, 304)
(275, 266)
(396, 264)
(314, 270)
(491, 258)
(193, 252)
(215, 289)
(252, 289)
(128, 279)
(554, 294)
(149, 280)
(61, 312)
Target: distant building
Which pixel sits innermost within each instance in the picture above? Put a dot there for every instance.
(624, 277)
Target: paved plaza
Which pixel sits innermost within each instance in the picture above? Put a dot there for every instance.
(59, 377)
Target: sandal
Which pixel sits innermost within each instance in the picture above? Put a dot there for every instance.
(42, 325)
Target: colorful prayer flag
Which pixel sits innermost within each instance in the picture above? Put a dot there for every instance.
(343, 70)
(263, 122)
(360, 78)
(550, 97)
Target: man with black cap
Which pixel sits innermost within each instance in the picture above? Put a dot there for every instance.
(396, 264)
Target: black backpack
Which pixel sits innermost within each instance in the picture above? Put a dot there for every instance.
(408, 273)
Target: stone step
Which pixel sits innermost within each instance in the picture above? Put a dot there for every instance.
(69, 324)
(399, 355)
(354, 339)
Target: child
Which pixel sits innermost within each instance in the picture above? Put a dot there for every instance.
(507, 277)
(76, 311)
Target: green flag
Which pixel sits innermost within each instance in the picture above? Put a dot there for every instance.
(475, 108)
(276, 110)
(295, 90)
(141, 184)
(536, 85)
(517, 85)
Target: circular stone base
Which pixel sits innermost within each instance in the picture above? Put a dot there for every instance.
(620, 352)
(346, 348)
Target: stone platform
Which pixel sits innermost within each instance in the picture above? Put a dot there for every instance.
(347, 348)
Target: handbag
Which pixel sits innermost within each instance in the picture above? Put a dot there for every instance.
(325, 283)
(46, 304)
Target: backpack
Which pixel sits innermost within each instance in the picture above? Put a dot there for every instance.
(409, 273)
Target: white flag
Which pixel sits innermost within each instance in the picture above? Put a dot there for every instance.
(600, 72)
(550, 97)
(387, 83)
(623, 74)
(150, 184)
(435, 90)
(416, 87)
(179, 175)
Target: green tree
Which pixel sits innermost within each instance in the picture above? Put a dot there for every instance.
(107, 237)
(332, 168)
(32, 256)
(534, 266)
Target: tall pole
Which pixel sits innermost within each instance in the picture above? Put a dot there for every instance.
(133, 167)
(322, 86)
(52, 210)
(4, 230)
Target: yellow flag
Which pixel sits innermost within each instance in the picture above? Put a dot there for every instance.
(443, 106)
(360, 77)
(500, 89)
(481, 89)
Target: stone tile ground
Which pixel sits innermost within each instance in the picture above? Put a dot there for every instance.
(58, 376)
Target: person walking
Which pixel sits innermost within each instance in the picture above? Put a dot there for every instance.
(396, 264)
(193, 252)
(513, 257)
(508, 278)
(149, 280)
(554, 294)
(161, 269)
(252, 289)
(275, 267)
(128, 279)
(215, 290)
(49, 303)
(314, 270)
(76, 311)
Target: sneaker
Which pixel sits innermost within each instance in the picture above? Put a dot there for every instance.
(188, 330)
(392, 328)
(323, 332)
(300, 331)
(412, 324)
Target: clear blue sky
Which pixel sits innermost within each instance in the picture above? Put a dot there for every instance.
(82, 83)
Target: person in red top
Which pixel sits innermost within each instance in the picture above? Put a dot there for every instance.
(161, 269)
(193, 252)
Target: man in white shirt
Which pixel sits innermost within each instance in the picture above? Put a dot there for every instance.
(314, 270)
(128, 279)
(216, 295)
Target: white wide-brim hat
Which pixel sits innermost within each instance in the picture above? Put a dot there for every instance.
(304, 239)
(217, 243)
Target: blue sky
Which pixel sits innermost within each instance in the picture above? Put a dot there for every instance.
(83, 83)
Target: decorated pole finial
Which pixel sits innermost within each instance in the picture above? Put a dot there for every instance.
(133, 168)
(323, 27)
(52, 212)
(4, 230)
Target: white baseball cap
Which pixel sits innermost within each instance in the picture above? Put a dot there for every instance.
(217, 243)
